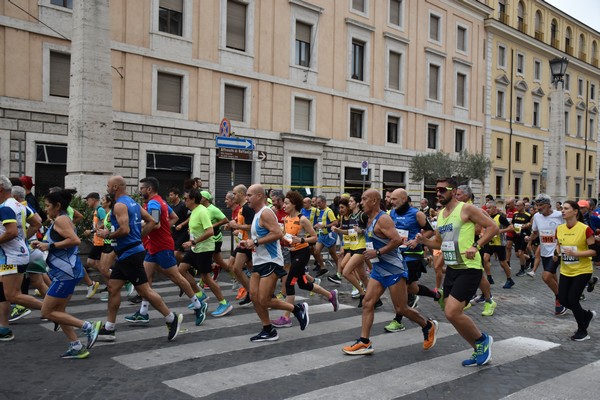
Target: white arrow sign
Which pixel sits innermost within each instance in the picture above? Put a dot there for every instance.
(235, 143)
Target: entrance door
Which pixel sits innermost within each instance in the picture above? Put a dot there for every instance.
(230, 173)
(303, 175)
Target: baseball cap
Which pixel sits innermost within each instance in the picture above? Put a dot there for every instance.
(583, 203)
(206, 194)
(93, 195)
(27, 181)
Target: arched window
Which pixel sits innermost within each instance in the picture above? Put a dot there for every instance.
(502, 11)
(582, 54)
(539, 29)
(568, 42)
(594, 53)
(521, 26)
(554, 34)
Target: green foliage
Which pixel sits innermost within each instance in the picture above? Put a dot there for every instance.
(79, 203)
(466, 166)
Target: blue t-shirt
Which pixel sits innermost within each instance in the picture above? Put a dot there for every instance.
(135, 229)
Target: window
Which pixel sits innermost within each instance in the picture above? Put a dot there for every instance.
(168, 92)
(392, 129)
(520, 64)
(396, 12)
(536, 114)
(359, 5)
(568, 43)
(579, 125)
(591, 129)
(236, 25)
(461, 90)
(170, 17)
(500, 104)
(589, 191)
(432, 136)
(303, 36)
(577, 190)
(62, 3)
(356, 123)
(592, 91)
(517, 186)
(521, 26)
(577, 161)
(459, 140)
(358, 59)
(50, 166)
(554, 34)
(567, 123)
(60, 73)
(169, 168)
(539, 30)
(434, 27)
(519, 109)
(567, 82)
(517, 151)
(534, 154)
(302, 114)
(590, 160)
(498, 185)
(499, 148)
(434, 77)
(582, 54)
(461, 38)
(234, 102)
(534, 187)
(501, 56)
(537, 70)
(580, 87)
(394, 70)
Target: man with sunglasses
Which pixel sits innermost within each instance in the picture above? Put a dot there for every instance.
(544, 225)
(454, 235)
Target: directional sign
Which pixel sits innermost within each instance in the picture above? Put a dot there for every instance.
(225, 128)
(234, 143)
(261, 156)
(234, 154)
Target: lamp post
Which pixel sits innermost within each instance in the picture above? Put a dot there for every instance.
(556, 185)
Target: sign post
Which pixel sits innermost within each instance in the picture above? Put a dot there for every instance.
(364, 171)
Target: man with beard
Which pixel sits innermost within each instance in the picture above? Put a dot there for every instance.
(454, 235)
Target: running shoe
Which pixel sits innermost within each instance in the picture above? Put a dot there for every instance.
(470, 362)
(322, 272)
(242, 292)
(37, 293)
(246, 300)
(200, 315)
(335, 279)
(18, 312)
(591, 316)
(282, 322)
(235, 285)
(394, 327)
(355, 293)
(469, 305)
(509, 284)
(483, 350)
(359, 348)
(175, 326)
(72, 353)
(488, 308)
(580, 336)
(379, 303)
(478, 299)
(6, 336)
(104, 298)
(316, 268)
(302, 315)
(201, 298)
(413, 299)
(135, 298)
(104, 335)
(129, 288)
(592, 284)
(137, 318)
(333, 299)
(560, 309)
(264, 336)
(530, 273)
(430, 335)
(490, 280)
(92, 334)
(56, 327)
(222, 310)
(521, 273)
(316, 282)
(91, 290)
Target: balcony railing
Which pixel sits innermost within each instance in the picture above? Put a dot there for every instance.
(554, 43)
(595, 61)
(522, 26)
(539, 35)
(569, 50)
(503, 18)
(582, 56)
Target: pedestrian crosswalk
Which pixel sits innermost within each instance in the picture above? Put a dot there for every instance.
(217, 360)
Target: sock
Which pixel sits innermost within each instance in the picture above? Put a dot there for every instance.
(195, 302)
(170, 318)
(92, 284)
(488, 300)
(425, 291)
(297, 309)
(86, 326)
(522, 267)
(267, 328)
(364, 340)
(398, 318)
(144, 307)
(109, 326)
(76, 345)
(481, 339)
(4, 330)
(223, 301)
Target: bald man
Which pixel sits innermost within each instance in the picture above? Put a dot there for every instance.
(126, 232)
(267, 261)
(388, 273)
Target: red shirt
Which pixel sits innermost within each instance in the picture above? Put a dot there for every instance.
(158, 239)
(510, 213)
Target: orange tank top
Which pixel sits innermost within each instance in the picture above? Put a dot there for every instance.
(293, 227)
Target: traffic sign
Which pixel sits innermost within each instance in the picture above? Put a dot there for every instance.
(233, 154)
(234, 143)
(261, 156)
(225, 128)
(364, 168)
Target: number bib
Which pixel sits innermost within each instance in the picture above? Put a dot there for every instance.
(403, 235)
(569, 259)
(352, 237)
(518, 227)
(449, 253)
(8, 269)
(547, 237)
(370, 247)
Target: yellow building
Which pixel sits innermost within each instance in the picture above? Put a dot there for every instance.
(522, 37)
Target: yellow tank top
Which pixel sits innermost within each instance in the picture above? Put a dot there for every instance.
(576, 239)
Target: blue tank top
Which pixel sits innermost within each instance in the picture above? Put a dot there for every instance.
(390, 263)
(132, 243)
(408, 227)
(64, 264)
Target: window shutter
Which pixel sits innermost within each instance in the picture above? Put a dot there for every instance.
(358, 5)
(168, 93)
(236, 25)
(395, 6)
(174, 5)
(394, 77)
(234, 103)
(302, 114)
(60, 74)
(303, 32)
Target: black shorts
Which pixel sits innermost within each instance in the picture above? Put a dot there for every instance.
(520, 243)
(179, 241)
(353, 252)
(218, 247)
(550, 265)
(415, 268)
(269, 268)
(201, 262)
(96, 253)
(462, 284)
(247, 252)
(2, 297)
(107, 249)
(499, 250)
(130, 269)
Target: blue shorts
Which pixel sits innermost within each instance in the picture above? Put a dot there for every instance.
(328, 240)
(165, 258)
(62, 288)
(388, 280)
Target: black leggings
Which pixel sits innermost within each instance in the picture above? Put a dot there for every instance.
(570, 289)
(297, 272)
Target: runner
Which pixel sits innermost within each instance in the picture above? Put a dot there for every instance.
(497, 245)
(326, 239)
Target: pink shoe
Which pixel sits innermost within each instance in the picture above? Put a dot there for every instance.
(281, 322)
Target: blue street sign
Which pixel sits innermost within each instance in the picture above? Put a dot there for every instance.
(234, 143)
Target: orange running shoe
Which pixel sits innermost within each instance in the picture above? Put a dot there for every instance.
(241, 293)
(429, 335)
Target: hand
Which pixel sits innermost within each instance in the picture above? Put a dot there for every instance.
(411, 243)
(470, 253)
(370, 254)
(43, 246)
(178, 227)
(87, 232)
(187, 245)
(103, 233)
(247, 244)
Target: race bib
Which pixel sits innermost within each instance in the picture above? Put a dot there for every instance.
(370, 247)
(547, 237)
(352, 237)
(449, 253)
(567, 259)
(403, 235)
(518, 227)
(8, 269)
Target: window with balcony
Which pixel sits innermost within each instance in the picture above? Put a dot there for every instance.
(521, 26)
(303, 42)
(582, 54)
(502, 16)
(594, 54)
(568, 41)
(539, 28)
(554, 34)
(170, 17)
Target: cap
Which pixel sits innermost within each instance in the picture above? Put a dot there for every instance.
(93, 195)
(206, 194)
(583, 203)
(27, 181)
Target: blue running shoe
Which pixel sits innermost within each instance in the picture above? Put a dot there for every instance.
(72, 353)
(201, 298)
(484, 350)
(92, 334)
(222, 310)
(509, 284)
(470, 362)
(302, 315)
(201, 314)
(137, 318)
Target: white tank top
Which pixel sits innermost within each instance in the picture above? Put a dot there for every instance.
(268, 252)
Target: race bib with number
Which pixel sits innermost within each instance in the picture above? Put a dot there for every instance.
(547, 237)
(403, 235)
(352, 237)
(568, 259)
(518, 227)
(8, 269)
(370, 247)
(449, 253)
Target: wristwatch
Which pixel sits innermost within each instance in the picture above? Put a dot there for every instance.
(255, 242)
(378, 252)
(476, 245)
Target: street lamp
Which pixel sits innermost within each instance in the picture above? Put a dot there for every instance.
(556, 184)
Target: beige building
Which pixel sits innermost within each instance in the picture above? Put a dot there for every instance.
(522, 37)
(318, 86)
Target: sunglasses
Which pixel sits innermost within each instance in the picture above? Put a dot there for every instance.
(443, 189)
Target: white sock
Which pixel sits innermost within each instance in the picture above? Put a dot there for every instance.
(76, 345)
(196, 302)
(109, 326)
(170, 318)
(144, 307)
(86, 326)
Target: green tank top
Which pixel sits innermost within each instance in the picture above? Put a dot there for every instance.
(457, 237)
